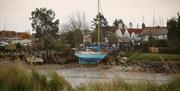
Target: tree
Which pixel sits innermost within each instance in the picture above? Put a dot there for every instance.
(117, 22)
(73, 29)
(112, 37)
(45, 26)
(173, 27)
(74, 22)
(102, 21)
(151, 41)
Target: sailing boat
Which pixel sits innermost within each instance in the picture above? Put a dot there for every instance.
(89, 56)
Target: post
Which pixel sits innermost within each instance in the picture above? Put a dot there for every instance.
(98, 25)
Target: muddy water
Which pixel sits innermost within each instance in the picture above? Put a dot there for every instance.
(77, 76)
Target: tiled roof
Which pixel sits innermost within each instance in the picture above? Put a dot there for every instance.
(113, 29)
(154, 31)
(135, 30)
(13, 34)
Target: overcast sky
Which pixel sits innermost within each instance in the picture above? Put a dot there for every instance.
(15, 13)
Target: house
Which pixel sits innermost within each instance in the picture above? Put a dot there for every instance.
(9, 34)
(12, 37)
(158, 33)
(135, 33)
(87, 38)
(128, 34)
(122, 34)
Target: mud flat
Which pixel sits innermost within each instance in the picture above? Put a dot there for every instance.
(82, 75)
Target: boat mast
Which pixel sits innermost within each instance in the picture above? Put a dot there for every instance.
(83, 30)
(98, 25)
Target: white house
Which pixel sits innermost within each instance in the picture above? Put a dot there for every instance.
(158, 33)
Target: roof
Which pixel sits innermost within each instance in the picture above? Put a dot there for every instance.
(154, 31)
(4, 33)
(13, 34)
(113, 29)
(135, 30)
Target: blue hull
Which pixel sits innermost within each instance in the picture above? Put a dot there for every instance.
(90, 58)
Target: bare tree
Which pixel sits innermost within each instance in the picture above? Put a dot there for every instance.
(74, 22)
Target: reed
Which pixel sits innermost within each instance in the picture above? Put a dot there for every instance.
(15, 77)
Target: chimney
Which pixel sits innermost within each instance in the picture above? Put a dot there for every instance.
(130, 25)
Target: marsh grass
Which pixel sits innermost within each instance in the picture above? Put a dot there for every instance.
(154, 56)
(119, 85)
(15, 77)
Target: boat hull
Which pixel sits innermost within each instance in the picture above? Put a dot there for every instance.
(90, 57)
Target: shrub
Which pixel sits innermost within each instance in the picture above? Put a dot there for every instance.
(174, 84)
(58, 83)
(14, 78)
(161, 43)
(169, 50)
(38, 81)
(57, 46)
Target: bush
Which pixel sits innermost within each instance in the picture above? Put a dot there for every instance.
(174, 84)
(38, 81)
(58, 83)
(161, 43)
(145, 46)
(14, 78)
(169, 50)
(57, 46)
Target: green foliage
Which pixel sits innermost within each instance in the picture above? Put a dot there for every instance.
(95, 36)
(102, 21)
(161, 43)
(38, 81)
(117, 22)
(14, 77)
(173, 27)
(45, 26)
(151, 41)
(57, 46)
(155, 57)
(169, 50)
(119, 85)
(174, 84)
(112, 37)
(72, 37)
(58, 83)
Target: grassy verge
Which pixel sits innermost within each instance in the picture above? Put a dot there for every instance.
(15, 77)
(155, 56)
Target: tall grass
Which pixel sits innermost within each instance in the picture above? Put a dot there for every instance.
(119, 85)
(15, 77)
(154, 56)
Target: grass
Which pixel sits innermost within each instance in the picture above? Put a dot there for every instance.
(119, 85)
(155, 56)
(15, 77)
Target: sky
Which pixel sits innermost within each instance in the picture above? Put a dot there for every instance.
(14, 14)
